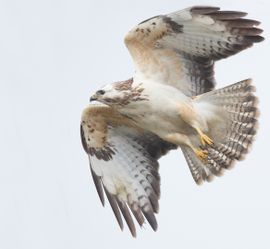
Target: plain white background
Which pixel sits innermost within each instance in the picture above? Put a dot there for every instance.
(53, 55)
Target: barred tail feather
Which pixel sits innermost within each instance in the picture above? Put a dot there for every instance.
(233, 133)
(199, 171)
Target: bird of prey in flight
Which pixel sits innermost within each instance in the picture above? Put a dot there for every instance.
(170, 103)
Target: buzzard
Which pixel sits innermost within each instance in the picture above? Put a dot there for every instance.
(170, 103)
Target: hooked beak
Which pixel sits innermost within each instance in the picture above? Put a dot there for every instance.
(93, 98)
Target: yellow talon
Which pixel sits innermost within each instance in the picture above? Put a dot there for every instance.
(202, 154)
(204, 138)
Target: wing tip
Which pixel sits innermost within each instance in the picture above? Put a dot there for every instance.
(209, 10)
(150, 216)
(125, 212)
(98, 185)
(255, 39)
(202, 10)
(114, 205)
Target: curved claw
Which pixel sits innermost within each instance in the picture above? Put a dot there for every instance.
(201, 154)
(206, 140)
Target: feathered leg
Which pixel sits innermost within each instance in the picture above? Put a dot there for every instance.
(181, 139)
(192, 117)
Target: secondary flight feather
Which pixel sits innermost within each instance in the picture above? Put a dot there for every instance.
(170, 103)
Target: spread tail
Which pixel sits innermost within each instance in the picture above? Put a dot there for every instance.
(231, 115)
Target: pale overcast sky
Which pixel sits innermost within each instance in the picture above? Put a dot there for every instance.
(53, 55)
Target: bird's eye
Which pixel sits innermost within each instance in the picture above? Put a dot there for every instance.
(100, 92)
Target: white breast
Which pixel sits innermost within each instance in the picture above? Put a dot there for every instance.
(160, 113)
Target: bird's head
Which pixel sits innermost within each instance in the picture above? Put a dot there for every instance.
(110, 95)
(118, 94)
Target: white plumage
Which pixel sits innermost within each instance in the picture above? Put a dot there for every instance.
(170, 103)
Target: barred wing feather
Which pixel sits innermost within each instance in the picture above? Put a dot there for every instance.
(180, 48)
(123, 161)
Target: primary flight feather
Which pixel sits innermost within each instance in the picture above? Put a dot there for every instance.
(170, 103)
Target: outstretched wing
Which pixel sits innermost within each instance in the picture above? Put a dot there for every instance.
(180, 48)
(123, 161)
